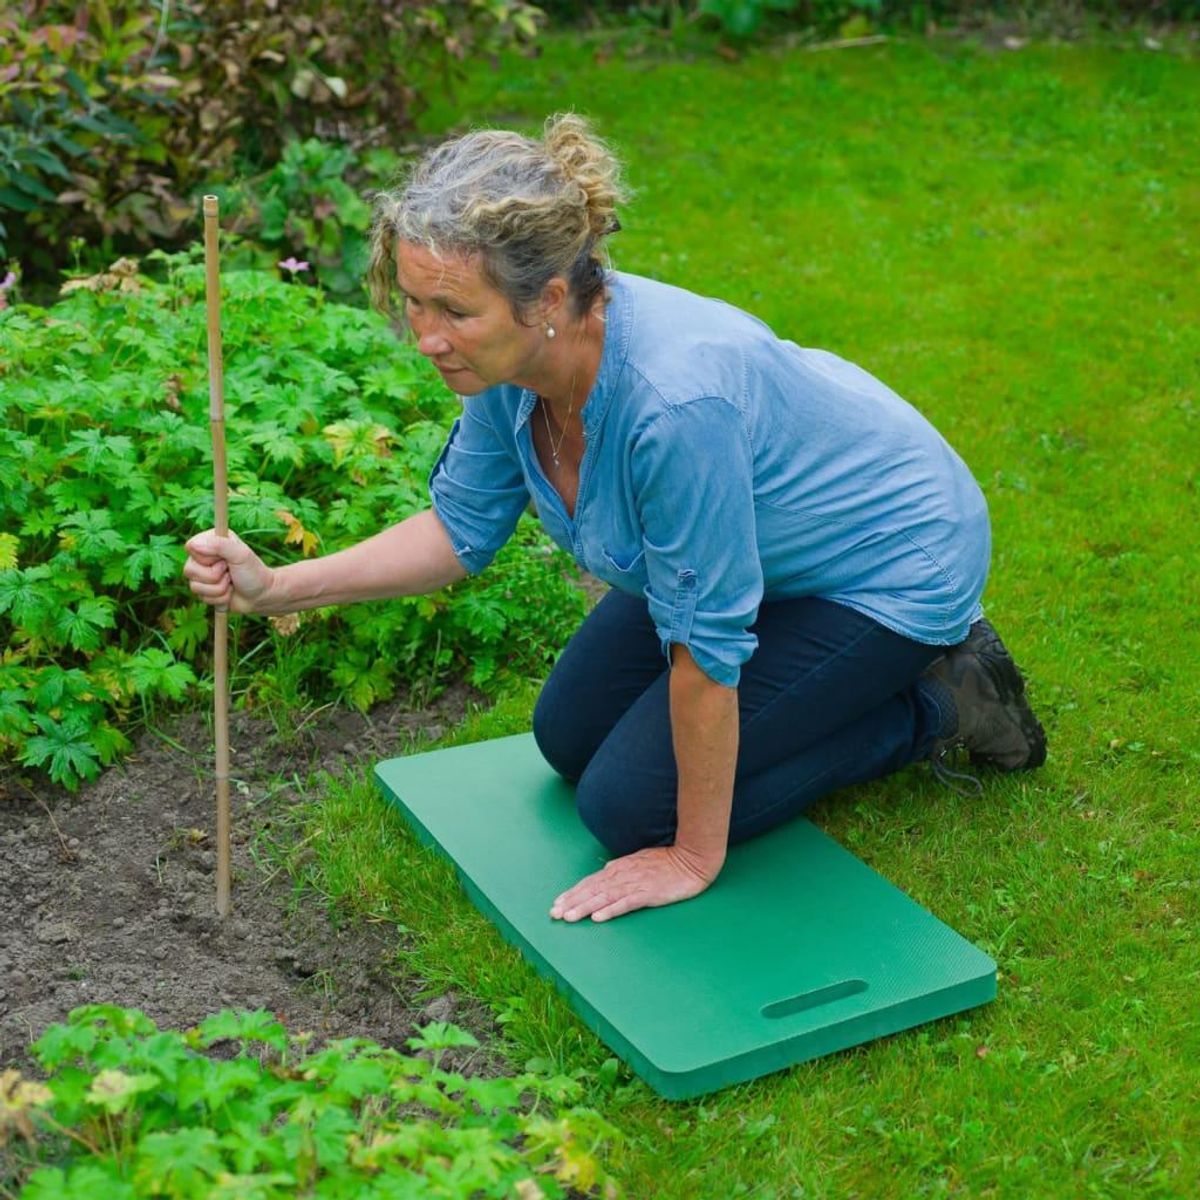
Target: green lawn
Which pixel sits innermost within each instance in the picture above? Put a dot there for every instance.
(1009, 241)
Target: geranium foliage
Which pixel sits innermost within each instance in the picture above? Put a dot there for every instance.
(105, 470)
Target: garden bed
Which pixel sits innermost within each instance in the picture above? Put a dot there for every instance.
(113, 891)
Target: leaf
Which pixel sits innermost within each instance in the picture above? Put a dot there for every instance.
(279, 444)
(180, 1163)
(187, 627)
(157, 672)
(364, 684)
(355, 1077)
(64, 1043)
(80, 625)
(297, 535)
(32, 186)
(440, 1035)
(493, 1095)
(224, 1080)
(17, 1098)
(102, 453)
(110, 743)
(11, 198)
(91, 535)
(358, 440)
(8, 551)
(115, 1091)
(56, 687)
(88, 1181)
(63, 750)
(63, 142)
(15, 716)
(162, 557)
(257, 1026)
(76, 493)
(25, 595)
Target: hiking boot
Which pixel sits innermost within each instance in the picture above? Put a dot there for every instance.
(995, 723)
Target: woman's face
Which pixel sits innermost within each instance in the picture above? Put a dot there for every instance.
(462, 324)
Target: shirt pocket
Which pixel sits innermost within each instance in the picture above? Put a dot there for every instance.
(625, 570)
(624, 561)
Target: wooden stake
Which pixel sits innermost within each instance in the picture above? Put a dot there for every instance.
(216, 420)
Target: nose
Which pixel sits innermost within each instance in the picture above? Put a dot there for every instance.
(430, 342)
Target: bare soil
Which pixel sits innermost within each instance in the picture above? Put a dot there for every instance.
(108, 895)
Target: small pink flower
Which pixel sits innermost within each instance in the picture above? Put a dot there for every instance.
(7, 282)
(293, 264)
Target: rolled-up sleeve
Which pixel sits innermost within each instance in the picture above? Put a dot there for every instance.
(693, 476)
(477, 488)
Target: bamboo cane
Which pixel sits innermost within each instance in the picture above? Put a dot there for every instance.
(216, 420)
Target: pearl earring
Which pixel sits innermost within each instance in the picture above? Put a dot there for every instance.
(551, 332)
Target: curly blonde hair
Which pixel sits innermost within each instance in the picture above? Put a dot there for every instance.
(531, 210)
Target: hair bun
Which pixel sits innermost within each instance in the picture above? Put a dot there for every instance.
(588, 163)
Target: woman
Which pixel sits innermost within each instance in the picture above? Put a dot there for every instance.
(796, 556)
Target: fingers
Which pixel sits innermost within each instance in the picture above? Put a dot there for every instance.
(610, 900)
(618, 908)
(207, 566)
(209, 579)
(208, 574)
(209, 547)
(647, 878)
(589, 896)
(220, 593)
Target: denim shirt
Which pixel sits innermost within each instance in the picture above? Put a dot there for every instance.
(723, 467)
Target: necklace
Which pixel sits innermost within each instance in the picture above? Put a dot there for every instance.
(556, 450)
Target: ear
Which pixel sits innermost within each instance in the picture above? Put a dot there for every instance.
(553, 304)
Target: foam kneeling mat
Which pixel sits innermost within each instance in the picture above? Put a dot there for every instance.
(797, 950)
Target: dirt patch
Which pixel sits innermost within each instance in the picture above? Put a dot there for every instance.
(108, 895)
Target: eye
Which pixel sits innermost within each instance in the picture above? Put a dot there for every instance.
(455, 315)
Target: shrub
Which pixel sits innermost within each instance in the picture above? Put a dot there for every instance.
(742, 18)
(129, 1111)
(333, 426)
(113, 115)
(310, 204)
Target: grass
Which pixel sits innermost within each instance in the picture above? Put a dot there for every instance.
(1008, 240)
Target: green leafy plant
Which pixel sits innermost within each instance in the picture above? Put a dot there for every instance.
(105, 471)
(128, 1110)
(310, 203)
(740, 18)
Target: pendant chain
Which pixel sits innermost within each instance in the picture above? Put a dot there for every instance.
(555, 450)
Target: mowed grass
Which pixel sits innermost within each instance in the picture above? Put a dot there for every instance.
(1009, 240)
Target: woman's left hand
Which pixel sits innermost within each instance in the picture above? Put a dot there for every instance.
(649, 878)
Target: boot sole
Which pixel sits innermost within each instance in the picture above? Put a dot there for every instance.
(1010, 686)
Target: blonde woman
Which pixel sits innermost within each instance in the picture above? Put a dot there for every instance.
(796, 555)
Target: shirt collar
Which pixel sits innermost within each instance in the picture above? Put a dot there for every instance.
(618, 326)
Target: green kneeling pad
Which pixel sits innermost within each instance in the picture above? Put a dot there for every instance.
(798, 949)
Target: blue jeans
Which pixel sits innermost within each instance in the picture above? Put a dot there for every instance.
(830, 698)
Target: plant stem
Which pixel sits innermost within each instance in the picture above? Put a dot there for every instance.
(68, 854)
(89, 1146)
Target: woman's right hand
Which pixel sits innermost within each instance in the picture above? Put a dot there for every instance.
(226, 573)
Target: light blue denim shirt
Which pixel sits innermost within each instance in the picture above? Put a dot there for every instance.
(723, 467)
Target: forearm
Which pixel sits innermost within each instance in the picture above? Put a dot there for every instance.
(407, 559)
(704, 731)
